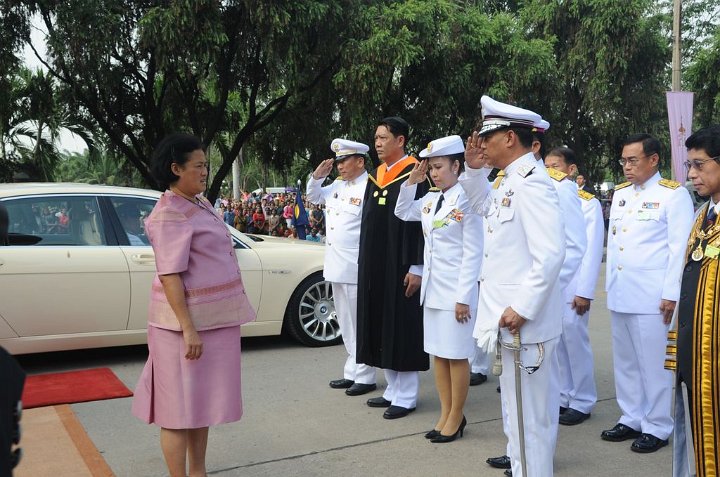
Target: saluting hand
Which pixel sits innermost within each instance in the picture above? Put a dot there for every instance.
(474, 156)
(324, 169)
(511, 320)
(419, 173)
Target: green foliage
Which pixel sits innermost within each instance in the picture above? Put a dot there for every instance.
(703, 77)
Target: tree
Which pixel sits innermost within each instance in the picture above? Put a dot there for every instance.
(138, 70)
(610, 78)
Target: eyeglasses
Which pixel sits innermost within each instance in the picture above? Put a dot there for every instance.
(698, 163)
(632, 162)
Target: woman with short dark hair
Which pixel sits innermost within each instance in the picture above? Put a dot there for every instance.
(191, 380)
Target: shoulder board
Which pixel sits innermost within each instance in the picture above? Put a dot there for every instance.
(585, 195)
(434, 189)
(555, 174)
(623, 185)
(525, 170)
(669, 184)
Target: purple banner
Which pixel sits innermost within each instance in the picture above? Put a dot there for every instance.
(680, 114)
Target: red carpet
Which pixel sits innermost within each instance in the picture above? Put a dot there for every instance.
(74, 386)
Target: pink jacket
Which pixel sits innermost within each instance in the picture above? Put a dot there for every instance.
(192, 240)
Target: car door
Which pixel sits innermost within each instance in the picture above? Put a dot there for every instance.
(128, 215)
(61, 272)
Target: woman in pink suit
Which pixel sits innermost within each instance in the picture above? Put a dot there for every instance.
(192, 377)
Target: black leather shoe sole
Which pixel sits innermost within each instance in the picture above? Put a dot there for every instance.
(396, 412)
(620, 433)
(508, 472)
(341, 383)
(378, 402)
(359, 389)
(502, 462)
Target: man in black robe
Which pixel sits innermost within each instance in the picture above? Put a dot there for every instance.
(390, 321)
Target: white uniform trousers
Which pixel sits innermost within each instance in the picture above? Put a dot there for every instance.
(642, 384)
(345, 297)
(402, 388)
(480, 363)
(577, 374)
(541, 403)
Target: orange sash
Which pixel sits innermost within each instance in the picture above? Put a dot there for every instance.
(384, 177)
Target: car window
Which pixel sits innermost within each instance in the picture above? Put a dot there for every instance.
(132, 212)
(54, 220)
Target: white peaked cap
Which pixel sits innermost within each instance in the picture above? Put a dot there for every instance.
(444, 147)
(344, 147)
(497, 115)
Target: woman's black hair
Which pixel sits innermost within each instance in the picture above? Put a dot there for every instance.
(174, 148)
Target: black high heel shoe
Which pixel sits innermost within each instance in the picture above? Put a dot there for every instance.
(432, 434)
(441, 439)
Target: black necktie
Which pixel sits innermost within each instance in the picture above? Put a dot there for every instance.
(711, 216)
(439, 203)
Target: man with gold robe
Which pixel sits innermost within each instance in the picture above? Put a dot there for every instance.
(697, 328)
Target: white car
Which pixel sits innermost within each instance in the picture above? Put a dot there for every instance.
(77, 272)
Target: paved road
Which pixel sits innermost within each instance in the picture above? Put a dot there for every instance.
(295, 425)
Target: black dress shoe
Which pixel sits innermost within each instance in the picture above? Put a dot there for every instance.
(502, 462)
(573, 417)
(396, 412)
(563, 409)
(477, 379)
(378, 402)
(619, 433)
(358, 389)
(508, 472)
(341, 383)
(498, 388)
(441, 438)
(648, 443)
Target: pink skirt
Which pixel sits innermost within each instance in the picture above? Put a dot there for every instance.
(177, 393)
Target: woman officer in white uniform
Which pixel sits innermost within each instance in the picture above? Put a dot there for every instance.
(453, 255)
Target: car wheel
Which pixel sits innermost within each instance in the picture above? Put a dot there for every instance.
(310, 317)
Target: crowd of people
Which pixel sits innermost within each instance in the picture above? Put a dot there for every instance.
(485, 249)
(271, 214)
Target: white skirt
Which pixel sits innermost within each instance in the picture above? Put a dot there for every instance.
(445, 337)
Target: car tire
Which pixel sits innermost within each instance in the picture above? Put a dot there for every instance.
(310, 317)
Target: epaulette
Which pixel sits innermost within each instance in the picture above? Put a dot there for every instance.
(623, 185)
(585, 195)
(498, 179)
(525, 170)
(555, 174)
(669, 184)
(434, 189)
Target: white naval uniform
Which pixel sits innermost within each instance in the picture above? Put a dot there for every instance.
(648, 231)
(452, 258)
(343, 207)
(524, 252)
(577, 375)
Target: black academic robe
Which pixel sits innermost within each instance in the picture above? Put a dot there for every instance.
(389, 325)
(698, 333)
